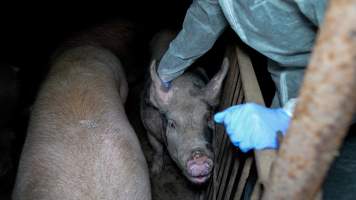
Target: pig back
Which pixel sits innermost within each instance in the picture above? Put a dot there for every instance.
(80, 144)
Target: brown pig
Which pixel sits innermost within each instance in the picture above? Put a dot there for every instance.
(80, 144)
(181, 119)
(9, 103)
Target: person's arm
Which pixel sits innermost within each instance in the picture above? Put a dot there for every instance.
(203, 24)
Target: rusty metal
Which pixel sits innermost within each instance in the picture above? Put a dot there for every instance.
(325, 108)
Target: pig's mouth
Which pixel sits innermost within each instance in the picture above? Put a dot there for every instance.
(199, 179)
(199, 169)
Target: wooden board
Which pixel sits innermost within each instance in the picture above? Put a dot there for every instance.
(232, 168)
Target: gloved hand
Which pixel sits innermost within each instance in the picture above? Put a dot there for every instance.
(252, 126)
(166, 85)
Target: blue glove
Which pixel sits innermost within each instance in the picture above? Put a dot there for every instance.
(166, 85)
(251, 126)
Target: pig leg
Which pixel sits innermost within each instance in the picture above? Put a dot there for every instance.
(157, 160)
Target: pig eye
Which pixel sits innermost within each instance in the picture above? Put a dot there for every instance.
(211, 124)
(171, 124)
(209, 116)
(209, 119)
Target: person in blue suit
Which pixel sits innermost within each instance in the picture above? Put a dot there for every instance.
(282, 30)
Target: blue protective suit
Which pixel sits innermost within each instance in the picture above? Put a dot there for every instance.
(282, 30)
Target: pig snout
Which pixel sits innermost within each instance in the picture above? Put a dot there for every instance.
(199, 166)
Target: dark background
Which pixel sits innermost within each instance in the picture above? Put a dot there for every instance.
(30, 32)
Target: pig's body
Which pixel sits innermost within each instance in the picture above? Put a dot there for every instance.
(80, 144)
(9, 96)
(119, 36)
(180, 119)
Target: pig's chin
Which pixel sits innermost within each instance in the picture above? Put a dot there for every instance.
(199, 179)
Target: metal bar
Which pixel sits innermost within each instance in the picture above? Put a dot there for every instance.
(325, 108)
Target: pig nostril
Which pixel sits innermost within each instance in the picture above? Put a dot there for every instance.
(200, 166)
(197, 154)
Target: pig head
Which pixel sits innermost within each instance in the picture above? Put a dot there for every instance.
(181, 120)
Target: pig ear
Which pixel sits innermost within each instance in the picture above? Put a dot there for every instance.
(156, 82)
(211, 92)
(158, 96)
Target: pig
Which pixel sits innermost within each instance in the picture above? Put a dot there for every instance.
(9, 93)
(9, 103)
(80, 144)
(105, 35)
(180, 119)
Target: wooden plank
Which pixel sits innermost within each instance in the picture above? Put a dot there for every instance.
(209, 191)
(238, 97)
(235, 98)
(223, 163)
(222, 154)
(229, 88)
(253, 93)
(243, 178)
(257, 191)
(241, 85)
(227, 168)
(233, 179)
(220, 136)
(252, 90)
(217, 169)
